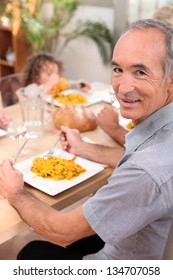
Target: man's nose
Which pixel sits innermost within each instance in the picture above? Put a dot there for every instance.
(125, 84)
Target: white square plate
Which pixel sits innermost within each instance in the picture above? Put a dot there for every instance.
(2, 132)
(53, 187)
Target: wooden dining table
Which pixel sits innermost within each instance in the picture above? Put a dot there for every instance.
(10, 222)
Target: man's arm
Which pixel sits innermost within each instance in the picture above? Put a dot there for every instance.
(59, 228)
(101, 154)
(73, 143)
(108, 120)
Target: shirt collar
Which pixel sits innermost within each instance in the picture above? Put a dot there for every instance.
(139, 134)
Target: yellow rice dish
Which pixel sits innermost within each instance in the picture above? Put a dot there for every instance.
(72, 98)
(56, 168)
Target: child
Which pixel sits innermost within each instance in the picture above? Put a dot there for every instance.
(43, 69)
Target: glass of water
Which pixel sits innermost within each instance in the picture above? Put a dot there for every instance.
(32, 110)
(16, 131)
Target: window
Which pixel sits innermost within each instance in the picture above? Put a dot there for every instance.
(138, 9)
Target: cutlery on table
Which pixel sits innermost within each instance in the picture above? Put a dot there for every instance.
(19, 151)
(52, 149)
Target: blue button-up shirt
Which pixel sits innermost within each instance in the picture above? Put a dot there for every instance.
(134, 212)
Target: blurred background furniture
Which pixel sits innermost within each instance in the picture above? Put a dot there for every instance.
(13, 48)
(8, 86)
(12, 41)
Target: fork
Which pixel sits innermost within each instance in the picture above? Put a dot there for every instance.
(19, 151)
(52, 149)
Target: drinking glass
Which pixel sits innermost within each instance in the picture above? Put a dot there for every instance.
(16, 131)
(31, 99)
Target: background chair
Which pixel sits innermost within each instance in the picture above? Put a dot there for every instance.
(8, 86)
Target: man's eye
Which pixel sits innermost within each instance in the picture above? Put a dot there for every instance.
(117, 70)
(140, 73)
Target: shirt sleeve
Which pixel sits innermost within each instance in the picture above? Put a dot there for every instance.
(131, 200)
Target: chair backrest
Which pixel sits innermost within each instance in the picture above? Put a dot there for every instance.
(168, 253)
(8, 86)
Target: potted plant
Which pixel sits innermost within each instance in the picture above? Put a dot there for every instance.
(42, 32)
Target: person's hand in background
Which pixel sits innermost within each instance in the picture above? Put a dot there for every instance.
(85, 86)
(4, 120)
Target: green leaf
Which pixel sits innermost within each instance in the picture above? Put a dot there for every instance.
(41, 33)
(99, 33)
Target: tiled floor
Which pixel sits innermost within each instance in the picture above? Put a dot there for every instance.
(9, 249)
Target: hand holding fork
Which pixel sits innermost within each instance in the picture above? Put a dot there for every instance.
(52, 149)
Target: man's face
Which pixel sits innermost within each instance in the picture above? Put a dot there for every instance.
(138, 77)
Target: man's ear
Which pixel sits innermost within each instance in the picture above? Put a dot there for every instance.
(171, 77)
(170, 83)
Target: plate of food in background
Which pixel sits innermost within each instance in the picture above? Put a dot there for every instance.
(78, 97)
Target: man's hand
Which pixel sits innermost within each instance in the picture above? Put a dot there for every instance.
(107, 118)
(71, 140)
(11, 180)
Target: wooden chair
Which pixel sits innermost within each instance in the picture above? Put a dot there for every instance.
(168, 253)
(8, 86)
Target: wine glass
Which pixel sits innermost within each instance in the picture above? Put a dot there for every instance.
(17, 131)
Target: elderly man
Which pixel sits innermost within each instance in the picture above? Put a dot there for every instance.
(130, 218)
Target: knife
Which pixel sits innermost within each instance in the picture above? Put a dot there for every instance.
(19, 151)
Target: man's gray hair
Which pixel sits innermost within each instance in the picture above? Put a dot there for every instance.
(145, 24)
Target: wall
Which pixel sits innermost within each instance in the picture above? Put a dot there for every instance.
(81, 57)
